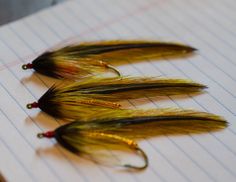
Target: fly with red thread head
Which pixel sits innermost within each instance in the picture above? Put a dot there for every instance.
(89, 59)
(93, 96)
(107, 140)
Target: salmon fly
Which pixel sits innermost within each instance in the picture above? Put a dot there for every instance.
(85, 98)
(102, 139)
(86, 59)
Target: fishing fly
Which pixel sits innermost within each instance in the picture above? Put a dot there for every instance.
(86, 98)
(89, 59)
(103, 139)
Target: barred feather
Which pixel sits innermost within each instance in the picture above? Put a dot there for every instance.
(84, 99)
(118, 132)
(86, 59)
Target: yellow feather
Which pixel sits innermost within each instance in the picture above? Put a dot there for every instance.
(87, 59)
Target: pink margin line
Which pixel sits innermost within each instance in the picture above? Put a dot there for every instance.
(71, 39)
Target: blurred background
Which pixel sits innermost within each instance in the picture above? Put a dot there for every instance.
(11, 10)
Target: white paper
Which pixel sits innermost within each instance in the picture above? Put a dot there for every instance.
(208, 25)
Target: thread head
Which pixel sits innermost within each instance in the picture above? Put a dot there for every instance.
(27, 66)
(32, 105)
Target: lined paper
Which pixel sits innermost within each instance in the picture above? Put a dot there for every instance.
(207, 25)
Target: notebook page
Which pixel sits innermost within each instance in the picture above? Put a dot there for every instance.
(207, 25)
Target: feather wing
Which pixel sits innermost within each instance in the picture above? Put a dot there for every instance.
(132, 50)
(133, 87)
(155, 122)
(86, 59)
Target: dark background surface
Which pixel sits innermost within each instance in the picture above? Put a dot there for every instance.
(11, 10)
